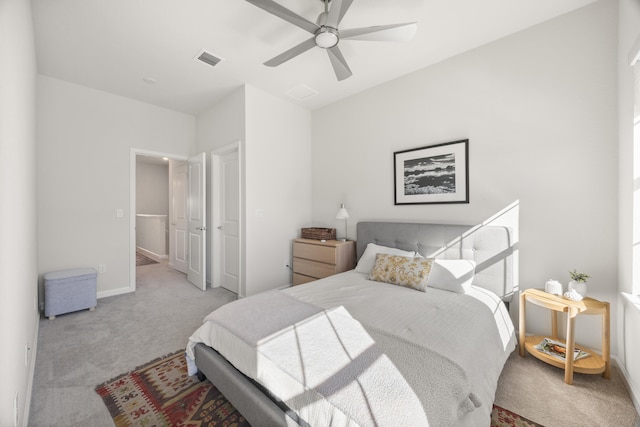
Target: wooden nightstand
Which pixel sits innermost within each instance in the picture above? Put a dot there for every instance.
(594, 363)
(315, 259)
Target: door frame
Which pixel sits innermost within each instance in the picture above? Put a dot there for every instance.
(133, 152)
(216, 214)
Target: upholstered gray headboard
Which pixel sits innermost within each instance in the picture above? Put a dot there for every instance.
(491, 247)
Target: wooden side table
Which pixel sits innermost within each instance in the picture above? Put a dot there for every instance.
(594, 363)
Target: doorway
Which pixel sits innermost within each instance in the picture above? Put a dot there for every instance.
(161, 198)
(196, 237)
(152, 210)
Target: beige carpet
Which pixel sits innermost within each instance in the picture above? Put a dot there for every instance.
(80, 350)
(537, 391)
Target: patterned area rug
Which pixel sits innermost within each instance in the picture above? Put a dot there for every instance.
(500, 417)
(144, 260)
(161, 393)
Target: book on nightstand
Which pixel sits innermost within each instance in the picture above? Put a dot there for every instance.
(558, 350)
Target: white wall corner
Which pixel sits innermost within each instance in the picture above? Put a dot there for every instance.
(634, 389)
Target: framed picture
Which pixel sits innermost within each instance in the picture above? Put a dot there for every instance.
(433, 174)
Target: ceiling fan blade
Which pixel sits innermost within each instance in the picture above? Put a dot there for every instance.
(339, 64)
(291, 53)
(383, 33)
(337, 11)
(284, 13)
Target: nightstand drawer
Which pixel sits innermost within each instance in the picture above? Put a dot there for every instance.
(315, 259)
(299, 279)
(320, 253)
(313, 269)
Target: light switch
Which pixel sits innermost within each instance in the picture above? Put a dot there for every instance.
(119, 213)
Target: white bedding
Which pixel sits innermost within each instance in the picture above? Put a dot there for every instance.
(431, 357)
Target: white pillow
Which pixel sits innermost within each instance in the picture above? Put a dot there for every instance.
(368, 258)
(453, 275)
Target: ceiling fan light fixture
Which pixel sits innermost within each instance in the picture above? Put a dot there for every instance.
(327, 37)
(326, 33)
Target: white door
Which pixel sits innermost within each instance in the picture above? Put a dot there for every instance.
(196, 227)
(227, 220)
(230, 211)
(179, 222)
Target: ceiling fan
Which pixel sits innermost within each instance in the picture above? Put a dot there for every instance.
(327, 35)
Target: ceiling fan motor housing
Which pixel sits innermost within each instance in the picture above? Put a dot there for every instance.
(326, 37)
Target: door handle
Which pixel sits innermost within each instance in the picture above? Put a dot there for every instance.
(201, 228)
(219, 227)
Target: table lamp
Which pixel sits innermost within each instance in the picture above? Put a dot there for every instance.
(343, 214)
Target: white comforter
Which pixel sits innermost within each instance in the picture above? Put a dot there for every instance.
(348, 351)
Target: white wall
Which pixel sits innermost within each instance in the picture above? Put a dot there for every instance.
(275, 138)
(539, 109)
(152, 188)
(85, 139)
(18, 253)
(152, 237)
(278, 180)
(629, 314)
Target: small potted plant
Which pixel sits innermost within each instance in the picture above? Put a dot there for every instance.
(578, 282)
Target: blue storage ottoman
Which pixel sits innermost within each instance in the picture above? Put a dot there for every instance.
(69, 290)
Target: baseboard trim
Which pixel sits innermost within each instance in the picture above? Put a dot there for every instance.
(114, 292)
(634, 391)
(32, 371)
(154, 256)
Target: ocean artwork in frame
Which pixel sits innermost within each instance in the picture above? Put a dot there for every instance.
(433, 174)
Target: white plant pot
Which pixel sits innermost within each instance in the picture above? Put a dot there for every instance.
(579, 287)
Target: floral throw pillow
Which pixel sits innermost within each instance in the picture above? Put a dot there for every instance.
(402, 271)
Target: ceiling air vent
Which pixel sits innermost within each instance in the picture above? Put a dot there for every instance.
(207, 58)
(301, 92)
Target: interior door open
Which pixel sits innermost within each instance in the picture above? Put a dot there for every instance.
(179, 218)
(197, 227)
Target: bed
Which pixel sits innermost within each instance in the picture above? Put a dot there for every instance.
(348, 351)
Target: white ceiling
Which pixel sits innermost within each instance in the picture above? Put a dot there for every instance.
(112, 45)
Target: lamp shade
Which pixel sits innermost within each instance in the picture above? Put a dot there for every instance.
(342, 212)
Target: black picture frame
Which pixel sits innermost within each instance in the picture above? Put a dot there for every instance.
(434, 174)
